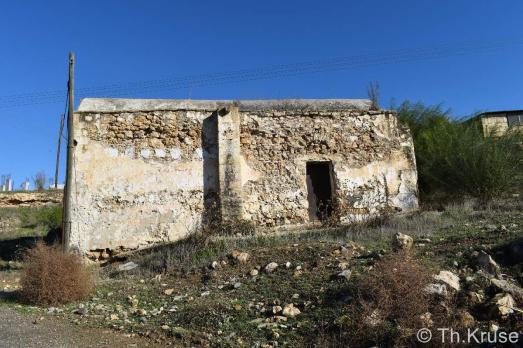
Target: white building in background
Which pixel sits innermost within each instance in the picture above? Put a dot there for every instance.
(9, 184)
(25, 185)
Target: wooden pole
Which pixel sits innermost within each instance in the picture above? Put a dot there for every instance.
(66, 228)
(62, 119)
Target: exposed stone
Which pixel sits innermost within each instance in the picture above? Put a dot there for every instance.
(508, 287)
(437, 289)
(448, 278)
(254, 272)
(485, 261)
(290, 311)
(271, 267)
(168, 292)
(242, 257)
(127, 266)
(502, 305)
(402, 241)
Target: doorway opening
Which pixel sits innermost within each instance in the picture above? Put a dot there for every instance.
(319, 190)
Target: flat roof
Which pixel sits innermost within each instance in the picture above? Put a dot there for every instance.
(500, 113)
(123, 105)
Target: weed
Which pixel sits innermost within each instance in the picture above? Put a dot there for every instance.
(52, 277)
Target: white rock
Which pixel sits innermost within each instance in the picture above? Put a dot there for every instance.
(127, 266)
(437, 289)
(271, 267)
(290, 311)
(503, 304)
(449, 279)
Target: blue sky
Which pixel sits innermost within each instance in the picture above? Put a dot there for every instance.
(117, 42)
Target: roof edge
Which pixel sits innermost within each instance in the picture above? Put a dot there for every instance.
(126, 105)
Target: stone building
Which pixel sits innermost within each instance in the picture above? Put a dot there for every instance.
(147, 171)
(496, 123)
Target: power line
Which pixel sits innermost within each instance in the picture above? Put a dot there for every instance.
(261, 73)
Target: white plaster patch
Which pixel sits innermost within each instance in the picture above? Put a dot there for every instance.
(159, 153)
(198, 154)
(111, 151)
(145, 153)
(176, 154)
(129, 152)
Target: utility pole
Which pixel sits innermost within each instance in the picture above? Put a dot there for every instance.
(66, 224)
(62, 119)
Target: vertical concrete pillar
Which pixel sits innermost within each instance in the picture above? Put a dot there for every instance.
(229, 167)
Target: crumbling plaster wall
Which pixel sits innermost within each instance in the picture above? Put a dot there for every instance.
(147, 171)
(140, 177)
(373, 163)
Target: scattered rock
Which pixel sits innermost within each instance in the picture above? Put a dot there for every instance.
(449, 279)
(113, 317)
(214, 264)
(271, 267)
(485, 262)
(402, 241)
(502, 304)
(276, 309)
(288, 264)
(508, 287)
(168, 292)
(165, 327)
(437, 289)
(127, 266)
(205, 293)
(290, 311)
(237, 285)
(345, 274)
(240, 256)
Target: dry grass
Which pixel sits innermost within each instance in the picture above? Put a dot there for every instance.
(389, 302)
(52, 277)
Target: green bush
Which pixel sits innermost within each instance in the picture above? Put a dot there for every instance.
(48, 217)
(454, 159)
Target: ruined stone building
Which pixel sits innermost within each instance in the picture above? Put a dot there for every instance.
(147, 171)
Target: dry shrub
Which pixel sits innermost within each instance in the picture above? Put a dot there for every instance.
(389, 302)
(53, 277)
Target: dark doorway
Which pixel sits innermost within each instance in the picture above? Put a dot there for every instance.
(319, 190)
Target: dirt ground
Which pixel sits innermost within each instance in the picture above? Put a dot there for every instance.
(29, 330)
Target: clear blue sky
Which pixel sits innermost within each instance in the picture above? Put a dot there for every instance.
(126, 41)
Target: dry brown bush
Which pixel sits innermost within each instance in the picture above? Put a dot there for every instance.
(52, 277)
(389, 301)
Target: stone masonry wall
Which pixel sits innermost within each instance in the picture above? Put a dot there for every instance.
(373, 163)
(147, 171)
